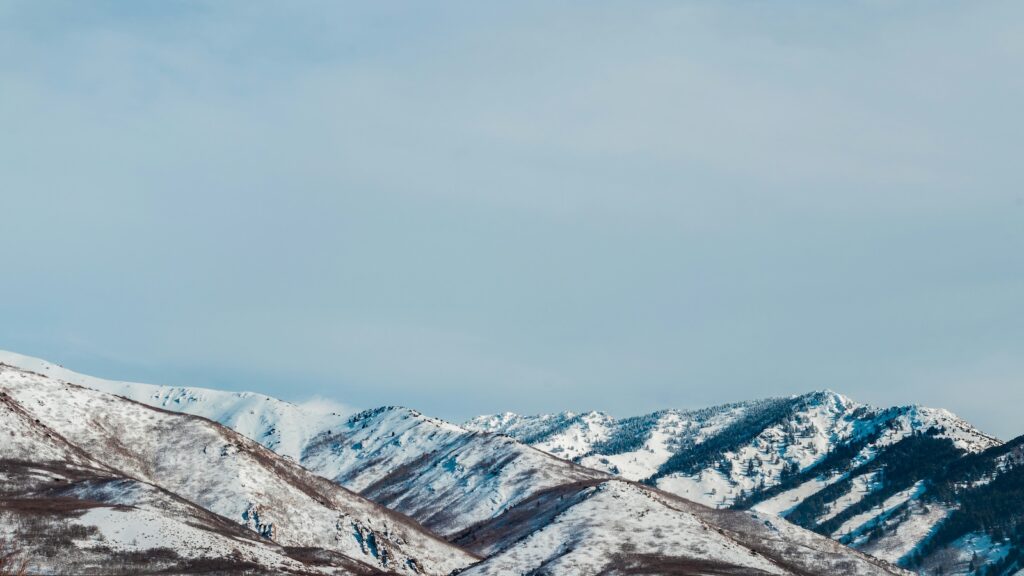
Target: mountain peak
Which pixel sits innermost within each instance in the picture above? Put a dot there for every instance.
(827, 395)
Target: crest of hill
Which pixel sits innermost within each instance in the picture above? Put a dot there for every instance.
(282, 426)
(227, 474)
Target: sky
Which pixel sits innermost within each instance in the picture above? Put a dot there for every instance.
(478, 207)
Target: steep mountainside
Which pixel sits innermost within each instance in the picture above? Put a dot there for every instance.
(566, 435)
(220, 471)
(84, 488)
(865, 476)
(283, 427)
(619, 527)
(982, 499)
(440, 474)
(70, 519)
(909, 485)
(72, 514)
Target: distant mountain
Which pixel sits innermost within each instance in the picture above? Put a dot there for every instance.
(444, 476)
(284, 427)
(440, 474)
(141, 481)
(908, 485)
(620, 527)
(905, 484)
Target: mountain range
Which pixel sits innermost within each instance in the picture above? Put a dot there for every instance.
(107, 477)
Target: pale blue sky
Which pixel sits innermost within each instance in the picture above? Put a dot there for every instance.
(475, 207)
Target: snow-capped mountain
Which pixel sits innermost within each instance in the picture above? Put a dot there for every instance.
(93, 482)
(211, 467)
(566, 435)
(444, 476)
(73, 519)
(717, 455)
(979, 499)
(908, 485)
(282, 426)
(865, 476)
(620, 527)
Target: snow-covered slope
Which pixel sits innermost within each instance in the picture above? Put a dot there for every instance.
(618, 527)
(821, 460)
(981, 500)
(71, 514)
(283, 427)
(440, 474)
(906, 484)
(76, 520)
(566, 434)
(227, 474)
(716, 455)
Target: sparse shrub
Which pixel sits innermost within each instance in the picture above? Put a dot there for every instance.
(12, 561)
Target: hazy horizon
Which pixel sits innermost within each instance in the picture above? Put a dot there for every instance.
(471, 208)
(345, 409)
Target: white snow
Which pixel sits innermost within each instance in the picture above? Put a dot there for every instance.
(226, 473)
(818, 423)
(136, 530)
(792, 498)
(281, 426)
(472, 476)
(642, 463)
(957, 556)
(616, 518)
(901, 538)
(566, 435)
(802, 440)
(853, 524)
(860, 487)
(450, 477)
(437, 472)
